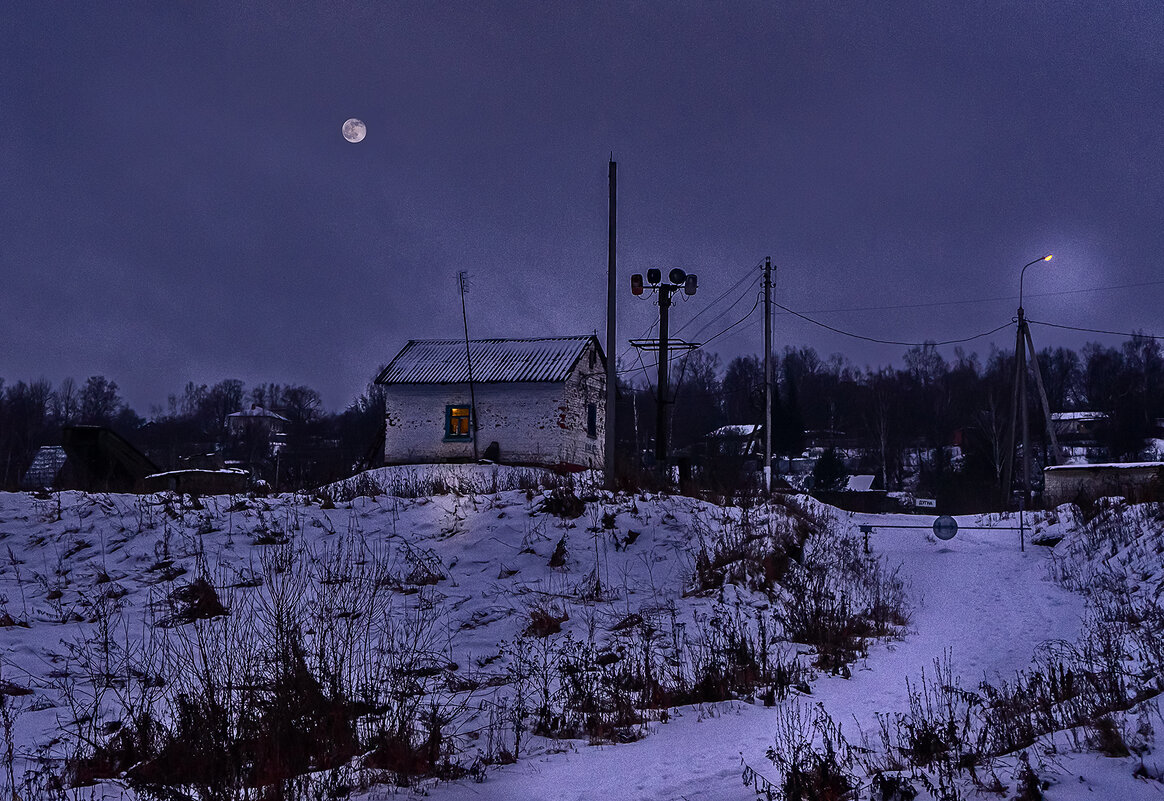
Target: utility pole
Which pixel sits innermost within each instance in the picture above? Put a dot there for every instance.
(1024, 345)
(678, 279)
(767, 374)
(665, 291)
(611, 343)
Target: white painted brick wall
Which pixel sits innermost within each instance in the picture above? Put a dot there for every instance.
(543, 423)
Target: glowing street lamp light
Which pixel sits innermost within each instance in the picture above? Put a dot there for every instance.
(1023, 272)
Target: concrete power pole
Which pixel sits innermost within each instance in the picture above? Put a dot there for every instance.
(611, 343)
(767, 374)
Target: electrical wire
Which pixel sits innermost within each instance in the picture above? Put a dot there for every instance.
(725, 293)
(726, 310)
(889, 341)
(644, 367)
(1011, 298)
(1096, 330)
(710, 339)
(683, 371)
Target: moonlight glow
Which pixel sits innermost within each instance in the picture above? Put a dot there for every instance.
(355, 130)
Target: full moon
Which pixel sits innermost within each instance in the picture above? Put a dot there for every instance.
(355, 130)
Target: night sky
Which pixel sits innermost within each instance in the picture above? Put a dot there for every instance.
(177, 202)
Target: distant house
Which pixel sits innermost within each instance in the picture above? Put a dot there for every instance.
(536, 401)
(256, 419)
(1079, 435)
(739, 441)
(1078, 427)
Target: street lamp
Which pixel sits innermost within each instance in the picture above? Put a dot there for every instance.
(1023, 272)
(1024, 345)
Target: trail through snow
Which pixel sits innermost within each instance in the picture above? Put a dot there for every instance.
(978, 598)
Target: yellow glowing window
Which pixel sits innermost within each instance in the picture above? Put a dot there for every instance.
(456, 422)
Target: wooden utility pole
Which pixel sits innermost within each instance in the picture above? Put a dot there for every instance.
(1024, 345)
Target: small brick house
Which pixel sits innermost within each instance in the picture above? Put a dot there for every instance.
(536, 401)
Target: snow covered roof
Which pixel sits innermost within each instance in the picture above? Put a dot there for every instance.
(1078, 416)
(225, 471)
(733, 431)
(442, 361)
(258, 411)
(860, 483)
(45, 467)
(1107, 466)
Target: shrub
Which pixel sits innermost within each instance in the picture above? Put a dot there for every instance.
(544, 621)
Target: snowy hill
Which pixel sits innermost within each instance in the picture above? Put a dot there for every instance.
(557, 642)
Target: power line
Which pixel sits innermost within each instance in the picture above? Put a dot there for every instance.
(733, 325)
(646, 333)
(730, 289)
(1096, 330)
(704, 310)
(723, 313)
(1010, 298)
(683, 372)
(888, 341)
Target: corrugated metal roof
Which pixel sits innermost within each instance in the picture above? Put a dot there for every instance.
(45, 467)
(442, 361)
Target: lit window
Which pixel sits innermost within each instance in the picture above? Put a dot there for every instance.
(457, 422)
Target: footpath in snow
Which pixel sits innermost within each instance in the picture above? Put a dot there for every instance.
(978, 600)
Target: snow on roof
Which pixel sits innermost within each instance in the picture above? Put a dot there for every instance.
(442, 361)
(859, 483)
(733, 431)
(258, 411)
(1107, 466)
(225, 471)
(45, 467)
(1078, 415)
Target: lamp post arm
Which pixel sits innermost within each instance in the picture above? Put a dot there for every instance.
(1023, 273)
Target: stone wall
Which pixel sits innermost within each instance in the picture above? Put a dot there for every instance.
(1082, 483)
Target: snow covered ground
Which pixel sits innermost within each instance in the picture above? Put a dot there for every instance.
(981, 601)
(477, 563)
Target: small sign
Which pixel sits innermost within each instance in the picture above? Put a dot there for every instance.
(945, 527)
(925, 503)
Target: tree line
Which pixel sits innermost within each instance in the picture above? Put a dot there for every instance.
(881, 415)
(191, 428)
(927, 404)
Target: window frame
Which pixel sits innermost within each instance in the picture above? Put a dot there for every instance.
(592, 420)
(449, 435)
